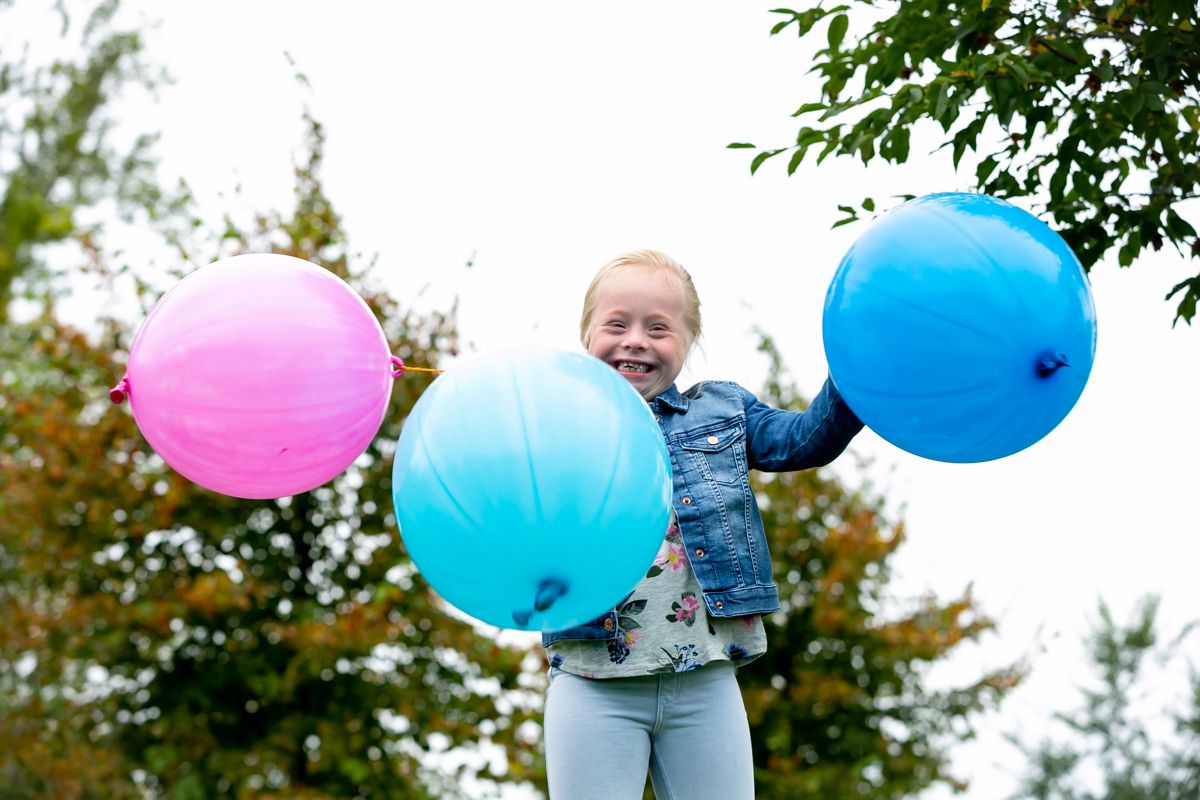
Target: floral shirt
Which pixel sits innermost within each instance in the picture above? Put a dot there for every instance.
(663, 626)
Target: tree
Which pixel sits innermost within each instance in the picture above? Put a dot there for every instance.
(1113, 749)
(1090, 109)
(230, 647)
(60, 163)
(838, 706)
(159, 640)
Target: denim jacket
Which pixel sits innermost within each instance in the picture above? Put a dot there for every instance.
(716, 432)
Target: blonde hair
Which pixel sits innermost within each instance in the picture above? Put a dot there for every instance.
(655, 260)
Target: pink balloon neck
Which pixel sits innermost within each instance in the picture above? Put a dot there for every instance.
(119, 392)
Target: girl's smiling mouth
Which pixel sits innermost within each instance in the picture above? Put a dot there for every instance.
(632, 367)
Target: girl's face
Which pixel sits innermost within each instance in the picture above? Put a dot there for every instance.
(638, 327)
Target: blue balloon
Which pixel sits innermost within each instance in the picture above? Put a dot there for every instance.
(960, 328)
(532, 487)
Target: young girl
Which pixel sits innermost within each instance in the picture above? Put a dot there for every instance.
(652, 683)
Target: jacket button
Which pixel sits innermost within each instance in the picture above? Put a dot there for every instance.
(687, 501)
(700, 552)
(719, 604)
(713, 440)
(608, 623)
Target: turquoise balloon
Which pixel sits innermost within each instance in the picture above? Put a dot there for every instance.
(960, 328)
(532, 487)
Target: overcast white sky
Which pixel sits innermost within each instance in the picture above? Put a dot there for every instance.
(544, 137)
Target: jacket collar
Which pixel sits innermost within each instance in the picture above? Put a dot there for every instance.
(671, 399)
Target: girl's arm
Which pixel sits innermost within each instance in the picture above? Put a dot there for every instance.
(780, 441)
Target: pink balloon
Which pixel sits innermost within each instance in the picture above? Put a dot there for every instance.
(259, 376)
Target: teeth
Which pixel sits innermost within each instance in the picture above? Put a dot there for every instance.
(629, 366)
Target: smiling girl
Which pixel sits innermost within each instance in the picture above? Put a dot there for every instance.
(652, 684)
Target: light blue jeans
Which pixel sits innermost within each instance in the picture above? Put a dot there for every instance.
(688, 728)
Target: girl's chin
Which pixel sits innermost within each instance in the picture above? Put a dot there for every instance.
(646, 383)
(648, 388)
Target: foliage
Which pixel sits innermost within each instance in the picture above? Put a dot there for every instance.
(60, 161)
(1090, 108)
(159, 640)
(1114, 751)
(254, 649)
(839, 705)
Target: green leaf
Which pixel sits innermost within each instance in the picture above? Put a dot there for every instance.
(741, 146)
(1187, 308)
(1135, 105)
(807, 107)
(941, 95)
(1128, 253)
(868, 204)
(851, 216)
(806, 136)
(1017, 66)
(894, 146)
(837, 30)
(797, 157)
(829, 147)
(962, 140)
(985, 169)
(1178, 227)
(966, 29)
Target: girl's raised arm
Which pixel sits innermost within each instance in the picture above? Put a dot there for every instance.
(782, 441)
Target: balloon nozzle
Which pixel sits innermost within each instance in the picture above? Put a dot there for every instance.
(1049, 364)
(119, 392)
(549, 590)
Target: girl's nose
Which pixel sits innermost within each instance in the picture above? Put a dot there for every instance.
(634, 340)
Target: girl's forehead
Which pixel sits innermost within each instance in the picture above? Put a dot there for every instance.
(642, 280)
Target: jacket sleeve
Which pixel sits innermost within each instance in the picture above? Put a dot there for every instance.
(782, 441)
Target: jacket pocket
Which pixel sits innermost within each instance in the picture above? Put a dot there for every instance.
(719, 454)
